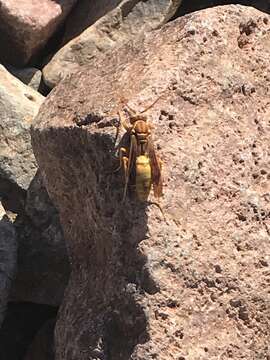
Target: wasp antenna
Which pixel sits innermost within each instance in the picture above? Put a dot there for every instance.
(134, 112)
(149, 107)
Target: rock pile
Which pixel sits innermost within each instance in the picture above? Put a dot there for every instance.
(191, 286)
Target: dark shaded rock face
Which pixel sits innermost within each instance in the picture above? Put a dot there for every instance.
(42, 346)
(43, 267)
(23, 321)
(8, 259)
(193, 286)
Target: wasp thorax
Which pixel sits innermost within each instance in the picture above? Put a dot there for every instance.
(141, 127)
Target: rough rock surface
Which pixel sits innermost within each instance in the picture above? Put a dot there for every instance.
(188, 6)
(84, 14)
(8, 259)
(126, 21)
(195, 286)
(26, 25)
(29, 76)
(19, 104)
(43, 267)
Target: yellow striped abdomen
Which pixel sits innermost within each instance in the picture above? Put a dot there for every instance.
(143, 177)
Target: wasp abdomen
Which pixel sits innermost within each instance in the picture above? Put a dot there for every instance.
(143, 177)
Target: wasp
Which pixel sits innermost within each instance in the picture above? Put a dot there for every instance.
(137, 155)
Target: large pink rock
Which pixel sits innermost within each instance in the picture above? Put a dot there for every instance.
(26, 25)
(196, 285)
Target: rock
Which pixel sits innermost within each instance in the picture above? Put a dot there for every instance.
(123, 23)
(19, 105)
(43, 267)
(29, 76)
(190, 6)
(8, 259)
(142, 287)
(26, 26)
(22, 323)
(84, 14)
(42, 345)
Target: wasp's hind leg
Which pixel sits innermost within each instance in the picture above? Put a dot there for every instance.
(123, 163)
(123, 160)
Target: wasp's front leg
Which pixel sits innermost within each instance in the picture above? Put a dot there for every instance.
(123, 121)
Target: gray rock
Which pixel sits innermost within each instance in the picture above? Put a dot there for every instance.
(85, 14)
(19, 105)
(43, 266)
(123, 23)
(8, 259)
(29, 76)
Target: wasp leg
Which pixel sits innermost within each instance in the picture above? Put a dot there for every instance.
(123, 121)
(122, 161)
(117, 132)
(157, 187)
(125, 166)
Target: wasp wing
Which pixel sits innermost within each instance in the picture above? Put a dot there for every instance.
(133, 149)
(155, 169)
(131, 160)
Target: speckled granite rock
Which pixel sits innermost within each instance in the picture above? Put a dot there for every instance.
(29, 76)
(26, 25)
(85, 14)
(196, 285)
(19, 105)
(43, 266)
(129, 19)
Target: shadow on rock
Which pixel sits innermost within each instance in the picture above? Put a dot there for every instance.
(20, 326)
(102, 315)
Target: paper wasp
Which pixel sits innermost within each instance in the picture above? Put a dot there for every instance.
(137, 156)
